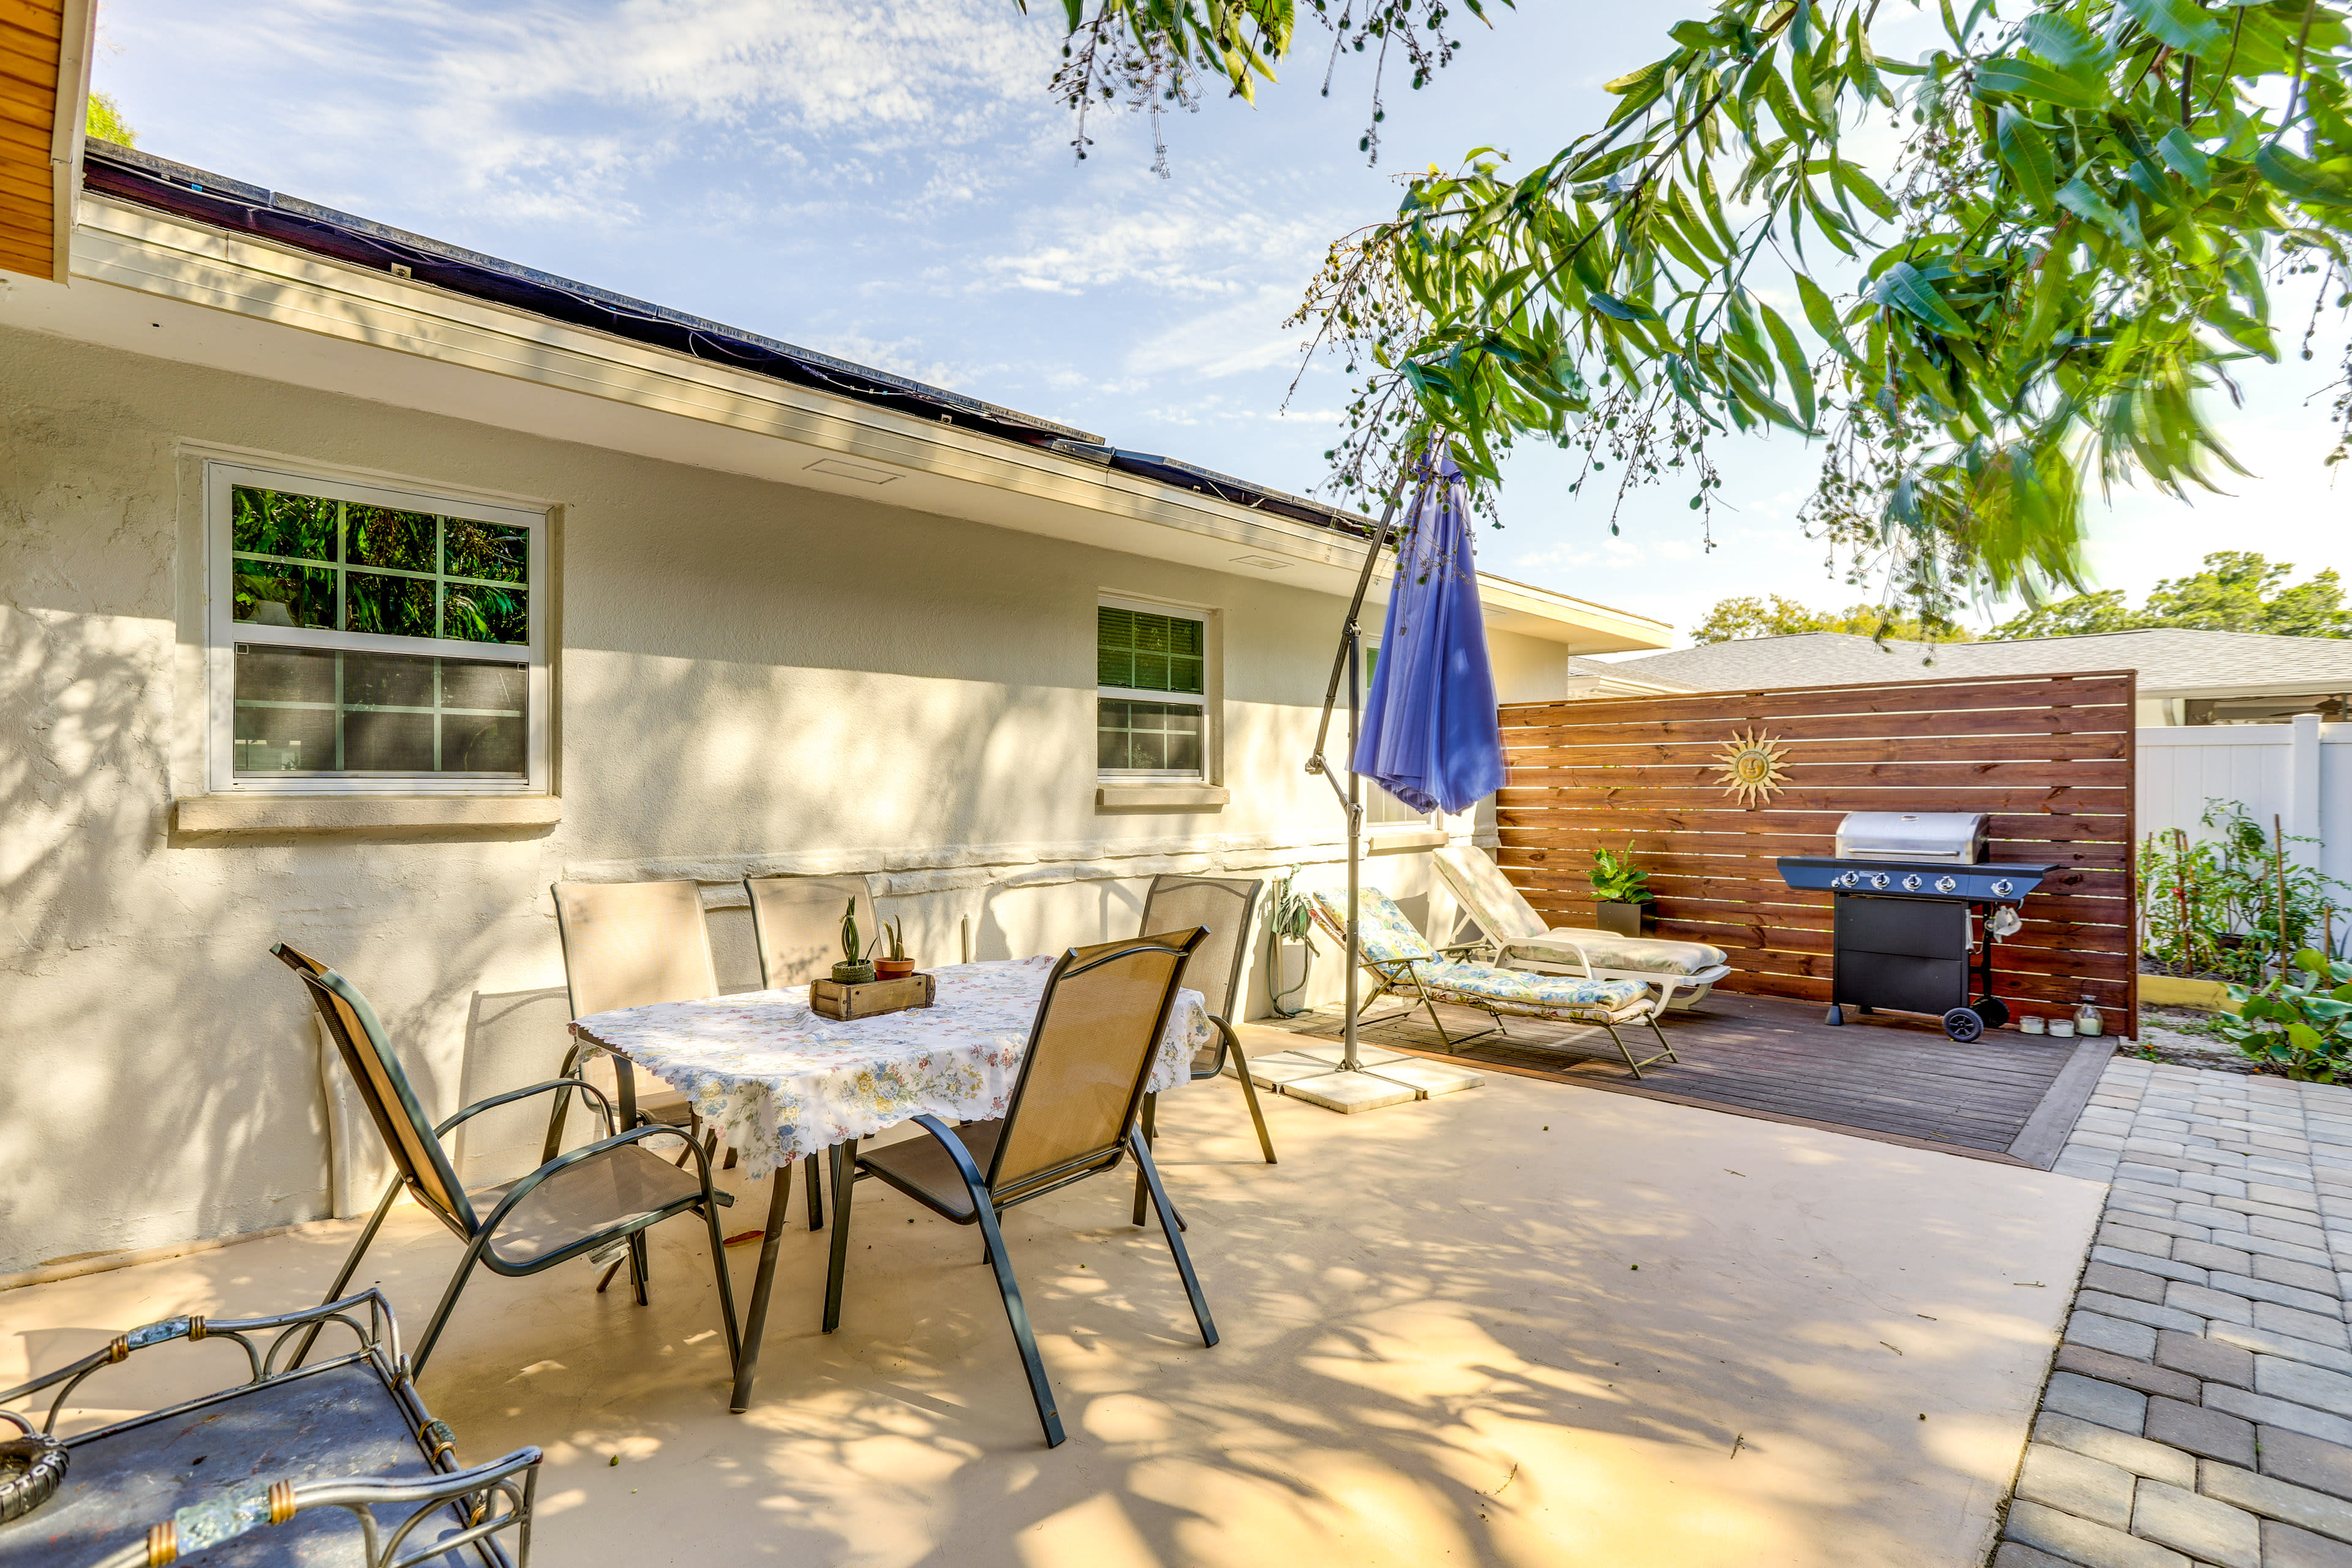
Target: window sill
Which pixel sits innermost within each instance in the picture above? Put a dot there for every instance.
(1397, 840)
(1162, 796)
(345, 813)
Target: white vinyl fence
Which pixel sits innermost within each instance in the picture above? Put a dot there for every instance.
(2301, 771)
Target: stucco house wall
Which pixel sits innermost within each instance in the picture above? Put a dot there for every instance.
(749, 676)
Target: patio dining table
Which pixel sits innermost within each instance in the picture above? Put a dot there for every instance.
(780, 1082)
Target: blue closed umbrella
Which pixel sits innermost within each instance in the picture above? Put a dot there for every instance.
(1430, 735)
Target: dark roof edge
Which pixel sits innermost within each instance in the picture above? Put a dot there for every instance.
(1177, 474)
(223, 202)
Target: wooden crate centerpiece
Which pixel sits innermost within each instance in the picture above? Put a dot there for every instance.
(871, 998)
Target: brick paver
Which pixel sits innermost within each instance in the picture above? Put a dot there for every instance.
(2200, 1410)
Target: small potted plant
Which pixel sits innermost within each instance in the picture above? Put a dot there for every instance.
(1621, 892)
(851, 970)
(890, 960)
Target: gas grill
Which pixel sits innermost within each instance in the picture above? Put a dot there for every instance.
(1915, 896)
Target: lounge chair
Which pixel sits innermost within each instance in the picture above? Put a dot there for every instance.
(1522, 941)
(1404, 965)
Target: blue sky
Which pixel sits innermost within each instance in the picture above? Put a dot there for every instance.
(893, 183)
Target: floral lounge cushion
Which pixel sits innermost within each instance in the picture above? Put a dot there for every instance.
(1607, 950)
(1383, 935)
(1542, 994)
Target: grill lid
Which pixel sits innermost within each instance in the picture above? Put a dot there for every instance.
(1953, 837)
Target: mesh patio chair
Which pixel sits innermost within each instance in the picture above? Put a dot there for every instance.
(1403, 965)
(631, 944)
(796, 926)
(1072, 1113)
(1522, 941)
(602, 1196)
(1223, 907)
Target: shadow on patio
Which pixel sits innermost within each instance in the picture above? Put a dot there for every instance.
(1518, 1325)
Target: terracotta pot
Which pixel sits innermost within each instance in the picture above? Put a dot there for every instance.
(893, 968)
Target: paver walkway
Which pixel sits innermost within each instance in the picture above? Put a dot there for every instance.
(2200, 1408)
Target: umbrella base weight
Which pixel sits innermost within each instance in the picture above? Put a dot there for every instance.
(1350, 1092)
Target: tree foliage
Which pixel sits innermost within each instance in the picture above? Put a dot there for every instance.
(1775, 616)
(103, 119)
(2075, 244)
(2234, 591)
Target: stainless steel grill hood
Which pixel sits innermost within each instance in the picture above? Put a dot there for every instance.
(1940, 837)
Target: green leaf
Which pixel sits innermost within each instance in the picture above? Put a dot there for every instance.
(2302, 1037)
(1904, 289)
(2027, 156)
(2083, 199)
(2302, 179)
(1617, 310)
(2178, 23)
(1822, 317)
(1633, 81)
(1863, 188)
(2058, 39)
(1793, 360)
(2187, 159)
(2030, 78)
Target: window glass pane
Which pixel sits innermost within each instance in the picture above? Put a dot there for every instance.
(486, 550)
(376, 536)
(268, 522)
(321, 712)
(473, 613)
(1144, 652)
(273, 595)
(381, 742)
(1147, 737)
(394, 606)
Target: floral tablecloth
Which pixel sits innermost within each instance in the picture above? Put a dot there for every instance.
(779, 1082)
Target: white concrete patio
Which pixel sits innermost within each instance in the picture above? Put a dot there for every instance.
(1527, 1324)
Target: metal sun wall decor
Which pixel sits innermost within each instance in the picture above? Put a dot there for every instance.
(1751, 767)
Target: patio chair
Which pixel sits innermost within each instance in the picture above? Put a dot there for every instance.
(1223, 907)
(1522, 941)
(1072, 1113)
(1403, 965)
(796, 926)
(631, 944)
(601, 1196)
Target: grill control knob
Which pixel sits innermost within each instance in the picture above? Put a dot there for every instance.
(2002, 887)
(1911, 883)
(1879, 878)
(1844, 881)
(1946, 885)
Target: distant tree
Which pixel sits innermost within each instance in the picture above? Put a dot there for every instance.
(2234, 591)
(105, 121)
(1774, 616)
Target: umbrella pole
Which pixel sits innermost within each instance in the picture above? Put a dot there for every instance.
(1347, 665)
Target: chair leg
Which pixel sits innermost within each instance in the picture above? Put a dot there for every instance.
(725, 1286)
(351, 1267)
(554, 1143)
(640, 1266)
(1249, 1094)
(816, 1195)
(1175, 1241)
(845, 1185)
(1016, 1314)
(440, 1318)
(1150, 1130)
(1664, 1044)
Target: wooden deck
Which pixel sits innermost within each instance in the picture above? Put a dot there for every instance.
(2009, 1097)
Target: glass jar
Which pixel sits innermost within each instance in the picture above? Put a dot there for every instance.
(2088, 1024)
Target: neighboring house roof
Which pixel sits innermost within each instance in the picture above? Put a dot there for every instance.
(2171, 662)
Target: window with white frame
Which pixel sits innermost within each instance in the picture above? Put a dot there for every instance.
(1151, 683)
(365, 638)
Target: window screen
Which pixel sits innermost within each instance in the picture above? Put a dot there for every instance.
(1142, 651)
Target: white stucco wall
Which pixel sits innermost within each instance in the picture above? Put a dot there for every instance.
(749, 677)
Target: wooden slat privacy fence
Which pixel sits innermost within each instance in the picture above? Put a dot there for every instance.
(2050, 759)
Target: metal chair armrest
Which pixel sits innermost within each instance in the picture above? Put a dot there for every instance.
(1225, 1049)
(514, 1094)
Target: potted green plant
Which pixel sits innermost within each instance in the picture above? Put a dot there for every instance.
(1621, 892)
(851, 970)
(890, 960)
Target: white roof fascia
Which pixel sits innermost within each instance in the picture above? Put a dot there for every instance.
(186, 291)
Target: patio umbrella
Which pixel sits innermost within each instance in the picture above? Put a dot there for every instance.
(1434, 740)
(1430, 736)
